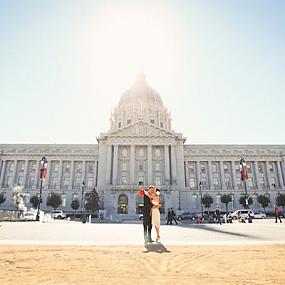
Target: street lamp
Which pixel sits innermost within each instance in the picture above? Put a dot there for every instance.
(200, 190)
(42, 178)
(82, 196)
(244, 177)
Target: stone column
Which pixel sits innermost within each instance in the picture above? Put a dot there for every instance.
(84, 172)
(14, 172)
(256, 174)
(268, 175)
(173, 165)
(234, 175)
(180, 176)
(37, 173)
(132, 165)
(198, 173)
(115, 165)
(59, 174)
(25, 173)
(108, 164)
(95, 173)
(149, 164)
(72, 173)
(210, 175)
(222, 174)
(280, 177)
(186, 173)
(2, 176)
(166, 159)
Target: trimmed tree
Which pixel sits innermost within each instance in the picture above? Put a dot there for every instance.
(207, 201)
(34, 200)
(226, 199)
(75, 205)
(242, 201)
(280, 200)
(2, 198)
(92, 201)
(54, 200)
(263, 200)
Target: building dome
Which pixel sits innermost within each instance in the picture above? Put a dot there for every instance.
(140, 103)
(140, 95)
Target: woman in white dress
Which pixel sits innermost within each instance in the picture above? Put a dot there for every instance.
(153, 194)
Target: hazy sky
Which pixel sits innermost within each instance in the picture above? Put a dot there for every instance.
(219, 67)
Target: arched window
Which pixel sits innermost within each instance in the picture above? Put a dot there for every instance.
(123, 204)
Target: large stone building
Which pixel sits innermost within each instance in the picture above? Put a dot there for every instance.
(141, 149)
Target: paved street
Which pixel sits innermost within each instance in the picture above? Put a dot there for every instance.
(76, 233)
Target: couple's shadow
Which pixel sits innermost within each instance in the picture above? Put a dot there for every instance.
(155, 247)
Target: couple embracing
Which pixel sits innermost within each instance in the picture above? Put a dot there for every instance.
(151, 213)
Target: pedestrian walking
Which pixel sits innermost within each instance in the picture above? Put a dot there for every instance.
(169, 217)
(277, 214)
(173, 216)
(218, 215)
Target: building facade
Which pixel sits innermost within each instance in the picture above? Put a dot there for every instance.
(142, 149)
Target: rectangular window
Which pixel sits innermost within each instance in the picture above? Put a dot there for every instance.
(141, 167)
(11, 166)
(273, 181)
(79, 168)
(161, 124)
(9, 181)
(119, 124)
(157, 166)
(124, 180)
(204, 183)
(141, 179)
(216, 183)
(129, 121)
(152, 121)
(271, 168)
(192, 183)
(226, 167)
(157, 180)
(31, 181)
(260, 167)
(67, 167)
(191, 167)
(54, 181)
(56, 167)
(33, 166)
(227, 183)
(66, 181)
(237, 166)
(250, 183)
(90, 168)
(20, 180)
(203, 168)
(261, 181)
(89, 182)
(214, 167)
(22, 166)
(124, 166)
(77, 181)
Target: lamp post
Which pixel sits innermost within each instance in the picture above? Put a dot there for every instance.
(43, 173)
(82, 196)
(200, 190)
(244, 177)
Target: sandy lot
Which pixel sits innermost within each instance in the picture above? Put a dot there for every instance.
(153, 264)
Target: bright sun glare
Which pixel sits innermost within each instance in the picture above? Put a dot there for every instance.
(132, 38)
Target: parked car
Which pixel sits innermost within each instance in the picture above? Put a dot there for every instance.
(186, 216)
(241, 214)
(29, 216)
(58, 214)
(259, 215)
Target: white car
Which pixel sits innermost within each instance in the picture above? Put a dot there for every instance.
(259, 215)
(29, 216)
(241, 214)
(58, 214)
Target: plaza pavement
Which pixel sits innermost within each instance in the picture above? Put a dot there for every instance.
(131, 233)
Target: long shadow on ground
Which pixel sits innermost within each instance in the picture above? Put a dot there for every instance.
(218, 230)
(155, 247)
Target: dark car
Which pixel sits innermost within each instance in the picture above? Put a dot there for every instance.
(186, 216)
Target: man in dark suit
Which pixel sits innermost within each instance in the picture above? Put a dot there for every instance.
(147, 205)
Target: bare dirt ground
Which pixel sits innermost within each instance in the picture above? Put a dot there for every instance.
(153, 264)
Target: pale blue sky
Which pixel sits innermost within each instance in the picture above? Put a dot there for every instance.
(219, 66)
